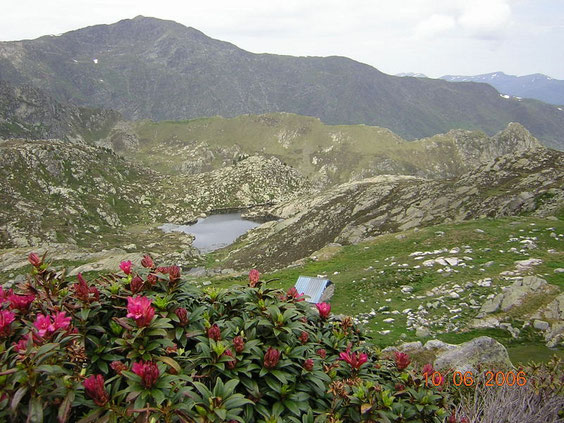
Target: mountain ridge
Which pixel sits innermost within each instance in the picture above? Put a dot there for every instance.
(149, 68)
(537, 85)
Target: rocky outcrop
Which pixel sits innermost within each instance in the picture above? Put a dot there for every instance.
(479, 353)
(531, 182)
(26, 112)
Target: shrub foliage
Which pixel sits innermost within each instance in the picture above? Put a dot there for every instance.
(145, 346)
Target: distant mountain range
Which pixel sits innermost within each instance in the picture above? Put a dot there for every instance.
(162, 70)
(538, 86)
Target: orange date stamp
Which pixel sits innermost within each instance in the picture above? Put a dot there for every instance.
(509, 378)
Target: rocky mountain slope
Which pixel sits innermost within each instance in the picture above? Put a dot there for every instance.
(326, 154)
(150, 68)
(531, 182)
(26, 112)
(56, 191)
(538, 86)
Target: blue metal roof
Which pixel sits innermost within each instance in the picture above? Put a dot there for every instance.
(312, 288)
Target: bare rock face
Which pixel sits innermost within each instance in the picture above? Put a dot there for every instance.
(484, 352)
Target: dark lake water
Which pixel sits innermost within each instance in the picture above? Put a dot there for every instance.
(214, 232)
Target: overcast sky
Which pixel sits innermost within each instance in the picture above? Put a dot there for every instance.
(434, 37)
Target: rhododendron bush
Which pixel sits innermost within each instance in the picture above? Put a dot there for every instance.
(142, 345)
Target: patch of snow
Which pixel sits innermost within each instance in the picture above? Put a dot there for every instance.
(504, 96)
(95, 61)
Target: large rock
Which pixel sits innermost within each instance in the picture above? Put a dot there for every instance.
(484, 352)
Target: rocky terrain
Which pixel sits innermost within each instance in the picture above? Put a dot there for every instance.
(26, 112)
(61, 192)
(349, 213)
(156, 69)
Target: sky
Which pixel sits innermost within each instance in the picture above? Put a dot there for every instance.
(433, 37)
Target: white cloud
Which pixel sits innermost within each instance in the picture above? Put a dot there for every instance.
(434, 25)
(486, 18)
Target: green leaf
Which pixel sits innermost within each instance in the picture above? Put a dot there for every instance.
(18, 397)
(64, 408)
(221, 413)
(35, 413)
(93, 416)
(46, 348)
(292, 406)
(158, 395)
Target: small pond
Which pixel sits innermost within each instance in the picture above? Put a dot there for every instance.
(214, 232)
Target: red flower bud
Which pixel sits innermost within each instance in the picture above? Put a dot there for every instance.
(308, 365)
(136, 284)
(214, 332)
(94, 388)
(147, 262)
(304, 337)
(148, 371)
(428, 369)
(324, 310)
(34, 260)
(271, 358)
(239, 344)
(399, 387)
(402, 360)
(322, 353)
(173, 273)
(152, 279)
(231, 363)
(355, 360)
(254, 277)
(182, 315)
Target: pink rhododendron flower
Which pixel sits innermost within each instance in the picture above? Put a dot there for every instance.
(6, 319)
(126, 267)
(43, 325)
(94, 388)
(148, 371)
(292, 295)
(140, 310)
(21, 302)
(355, 360)
(61, 321)
(254, 276)
(324, 310)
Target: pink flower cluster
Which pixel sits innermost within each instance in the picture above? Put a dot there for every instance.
(324, 310)
(140, 310)
(6, 319)
(355, 360)
(47, 325)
